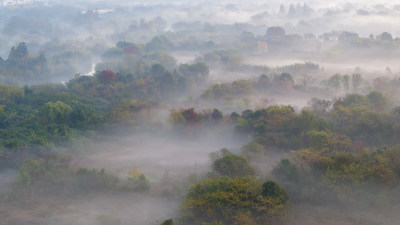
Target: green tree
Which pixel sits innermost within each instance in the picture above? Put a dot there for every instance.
(318, 139)
(286, 171)
(377, 99)
(56, 112)
(168, 222)
(10, 94)
(217, 115)
(334, 82)
(231, 165)
(29, 172)
(273, 190)
(238, 201)
(253, 150)
(356, 81)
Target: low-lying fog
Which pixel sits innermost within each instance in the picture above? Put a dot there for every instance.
(157, 154)
(345, 66)
(163, 157)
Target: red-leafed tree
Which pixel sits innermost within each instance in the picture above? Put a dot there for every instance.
(190, 116)
(107, 76)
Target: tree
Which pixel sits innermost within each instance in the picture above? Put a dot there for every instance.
(239, 201)
(318, 139)
(292, 10)
(190, 116)
(306, 81)
(167, 84)
(107, 76)
(168, 222)
(346, 83)
(286, 171)
(377, 99)
(10, 94)
(285, 81)
(319, 106)
(275, 32)
(160, 42)
(137, 182)
(253, 150)
(176, 117)
(386, 36)
(263, 82)
(348, 36)
(273, 190)
(29, 172)
(198, 71)
(396, 113)
(217, 115)
(335, 81)
(242, 87)
(231, 165)
(157, 70)
(356, 81)
(282, 9)
(18, 53)
(56, 112)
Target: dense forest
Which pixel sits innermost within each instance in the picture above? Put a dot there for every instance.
(115, 113)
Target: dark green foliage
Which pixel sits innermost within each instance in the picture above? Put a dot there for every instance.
(139, 184)
(377, 99)
(54, 176)
(17, 53)
(168, 222)
(231, 165)
(286, 171)
(355, 100)
(253, 150)
(275, 31)
(198, 72)
(273, 190)
(159, 43)
(318, 139)
(217, 115)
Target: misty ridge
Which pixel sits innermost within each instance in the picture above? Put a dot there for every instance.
(199, 112)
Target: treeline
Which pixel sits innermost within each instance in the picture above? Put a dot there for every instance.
(369, 120)
(53, 175)
(32, 118)
(22, 68)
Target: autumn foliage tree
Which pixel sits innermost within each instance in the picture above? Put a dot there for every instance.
(107, 76)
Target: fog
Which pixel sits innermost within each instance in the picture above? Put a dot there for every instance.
(158, 154)
(111, 110)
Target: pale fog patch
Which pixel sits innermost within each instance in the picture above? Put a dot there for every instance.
(7, 180)
(154, 155)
